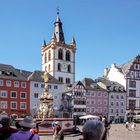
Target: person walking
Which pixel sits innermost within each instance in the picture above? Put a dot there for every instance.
(58, 133)
(107, 128)
(25, 134)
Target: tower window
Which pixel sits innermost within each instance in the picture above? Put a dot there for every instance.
(45, 58)
(60, 79)
(49, 68)
(67, 55)
(49, 55)
(67, 80)
(59, 67)
(60, 54)
(69, 68)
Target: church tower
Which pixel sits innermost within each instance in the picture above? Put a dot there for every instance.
(58, 58)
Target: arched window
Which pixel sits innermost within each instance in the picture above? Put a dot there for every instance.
(67, 55)
(69, 68)
(45, 58)
(49, 68)
(67, 80)
(60, 54)
(49, 55)
(59, 67)
(45, 68)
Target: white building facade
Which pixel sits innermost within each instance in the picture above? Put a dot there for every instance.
(37, 89)
(128, 75)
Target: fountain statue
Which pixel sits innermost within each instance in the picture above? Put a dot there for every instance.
(46, 107)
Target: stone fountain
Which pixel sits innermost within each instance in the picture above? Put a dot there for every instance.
(46, 112)
(46, 107)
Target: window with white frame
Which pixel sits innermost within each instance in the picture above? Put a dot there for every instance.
(111, 110)
(13, 105)
(88, 102)
(112, 96)
(23, 84)
(1, 82)
(3, 94)
(93, 102)
(112, 103)
(13, 94)
(23, 95)
(117, 96)
(8, 83)
(88, 93)
(105, 94)
(132, 84)
(99, 102)
(55, 87)
(122, 110)
(35, 95)
(105, 110)
(16, 83)
(105, 102)
(49, 86)
(122, 103)
(42, 85)
(88, 109)
(117, 110)
(22, 105)
(117, 104)
(36, 85)
(92, 110)
(3, 104)
(122, 97)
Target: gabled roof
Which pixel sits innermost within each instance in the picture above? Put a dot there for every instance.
(24, 72)
(38, 77)
(70, 88)
(91, 84)
(9, 72)
(110, 84)
(126, 66)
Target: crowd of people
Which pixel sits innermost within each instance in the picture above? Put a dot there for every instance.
(21, 131)
(27, 129)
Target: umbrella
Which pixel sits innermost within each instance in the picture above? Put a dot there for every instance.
(89, 117)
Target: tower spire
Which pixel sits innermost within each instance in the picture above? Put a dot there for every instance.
(58, 29)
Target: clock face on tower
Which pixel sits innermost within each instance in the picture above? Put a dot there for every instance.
(64, 65)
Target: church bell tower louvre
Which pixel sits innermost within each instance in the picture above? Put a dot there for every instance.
(58, 58)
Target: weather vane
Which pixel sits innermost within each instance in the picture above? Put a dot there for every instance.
(58, 10)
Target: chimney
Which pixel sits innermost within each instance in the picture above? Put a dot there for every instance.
(105, 72)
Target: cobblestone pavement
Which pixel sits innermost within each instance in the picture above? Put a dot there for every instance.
(117, 132)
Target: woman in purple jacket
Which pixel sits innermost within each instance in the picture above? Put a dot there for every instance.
(25, 133)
